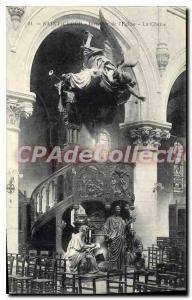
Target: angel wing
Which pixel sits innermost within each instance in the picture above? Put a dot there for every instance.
(112, 48)
(132, 56)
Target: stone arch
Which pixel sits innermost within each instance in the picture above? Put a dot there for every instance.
(176, 106)
(146, 71)
(177, 65)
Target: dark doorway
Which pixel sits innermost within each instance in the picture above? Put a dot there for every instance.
(176, 108)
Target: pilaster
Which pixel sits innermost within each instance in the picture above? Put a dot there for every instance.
(147, 136)
(18, 105)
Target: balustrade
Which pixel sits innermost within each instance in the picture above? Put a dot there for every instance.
(47, 199)
(74, 184)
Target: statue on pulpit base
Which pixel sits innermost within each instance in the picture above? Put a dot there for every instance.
(135, 255)
(80, 255)
(114, 230)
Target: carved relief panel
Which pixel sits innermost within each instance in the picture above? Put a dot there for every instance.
(105, 182)
(90, 183)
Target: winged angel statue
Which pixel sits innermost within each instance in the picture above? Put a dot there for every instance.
(103, 69)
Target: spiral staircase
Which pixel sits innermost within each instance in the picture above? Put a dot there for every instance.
(96, 187)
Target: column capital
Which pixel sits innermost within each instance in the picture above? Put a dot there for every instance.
(17, 105)
(16, 13)
(146, 133)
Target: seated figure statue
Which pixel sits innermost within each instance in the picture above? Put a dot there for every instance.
(135, 255)
(79, 254)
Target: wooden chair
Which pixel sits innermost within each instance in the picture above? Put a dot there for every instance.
(154, 257)
(69, 283)
(44, 254)
(60, 264)
(115, 282)
(50, 267)
(10, 261)
(59, 275)
(161, 268)
(143, 276)
(166, 254)
(175, 270)
(176, 255)
(65, 282)
(160, 282)
(142, 287)
(44, 284)
(9, 255)
(32, 253)
(178, 271)
(41, 266)
(128, 278)
(180, 279)
(163, 242)
(22, 283)
(19, 272)
(87, 282)
(168, 280)
(12, 255)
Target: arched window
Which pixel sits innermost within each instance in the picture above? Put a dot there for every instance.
(104, 139)
(176, 107)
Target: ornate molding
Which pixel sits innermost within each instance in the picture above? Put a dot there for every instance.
(162, 51)
(16, 13)
(147, 133)
(18, 104)
(162, 55)
(149, 136)
(178, 11)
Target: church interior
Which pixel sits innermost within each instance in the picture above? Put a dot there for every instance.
(130, 217)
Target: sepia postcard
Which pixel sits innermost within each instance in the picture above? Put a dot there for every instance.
(96, 150)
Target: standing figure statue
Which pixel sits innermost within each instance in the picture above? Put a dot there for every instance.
(114, 230)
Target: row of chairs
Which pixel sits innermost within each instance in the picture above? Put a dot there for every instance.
(134, 281)
(178, 242)
(38, 275)
(157, 255)
(34, 253)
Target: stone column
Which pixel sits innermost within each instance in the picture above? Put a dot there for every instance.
(24, 223)
(18, 104)
(60, 225)
(145, 177)
(145, 136)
